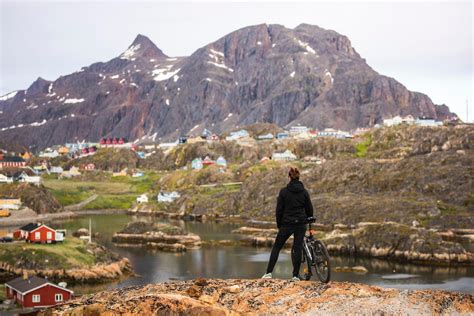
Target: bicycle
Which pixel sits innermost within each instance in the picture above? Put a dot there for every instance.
(316, 256)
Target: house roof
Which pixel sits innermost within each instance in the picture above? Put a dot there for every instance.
(31, 283)
(30, 227)
(24, 285)
(12, 159)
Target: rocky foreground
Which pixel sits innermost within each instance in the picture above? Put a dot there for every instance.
(231, 297)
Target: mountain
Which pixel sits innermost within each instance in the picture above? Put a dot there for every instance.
(258, 74)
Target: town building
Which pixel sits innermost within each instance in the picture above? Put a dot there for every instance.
(208, 161)
(137, 174)
(237, 135)
(38, 233)
(282, 135)
(197, 164)
(287, 155)
(36, 292)
(221, 162)
(295, 130)
(49, 154)
(121, 173)
(142, 199)
(73, 172)
(167, 196)
(5, 179)
(427, 121)
(268, 136)
(12, 162)
(10, 204)
(88, 167)
(24, 177)
(56, 170)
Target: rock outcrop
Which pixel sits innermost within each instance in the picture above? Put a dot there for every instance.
(39, 199)
(261, 73)
(390, 240)
(270, 297)
(157, 236)
(94, 274)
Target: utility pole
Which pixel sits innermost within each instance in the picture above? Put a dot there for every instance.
(467, 111)
(90, 230)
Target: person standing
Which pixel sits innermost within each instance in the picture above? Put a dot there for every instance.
(292, 211)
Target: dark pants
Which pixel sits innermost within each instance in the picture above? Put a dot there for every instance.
(296, 251)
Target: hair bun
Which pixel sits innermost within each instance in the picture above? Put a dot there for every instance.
(294, 173)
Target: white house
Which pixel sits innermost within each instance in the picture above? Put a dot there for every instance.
(295, 130)
(73, 172)
(287, 155)
(168, 145)
(268, 136)
(57, 170)
(167, 196)
(221, 162)
(5, 179)
(237, 135)
(10, 204)
(29, 179)
(49, 154)
(142, 199)
(427, 121)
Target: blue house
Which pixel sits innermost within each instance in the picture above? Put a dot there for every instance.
(197, 164)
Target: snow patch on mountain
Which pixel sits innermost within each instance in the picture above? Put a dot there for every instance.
(8, 96)
(130, 52)
(73, 101)
(162, 74)
(307, 47)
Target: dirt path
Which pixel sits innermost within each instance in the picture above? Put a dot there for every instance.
(26, 215)
(78, 206)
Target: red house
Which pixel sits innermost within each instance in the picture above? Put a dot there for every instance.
(12, 162)
(38, 233)
(36, 292)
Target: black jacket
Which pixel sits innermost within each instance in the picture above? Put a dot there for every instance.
(293, 205)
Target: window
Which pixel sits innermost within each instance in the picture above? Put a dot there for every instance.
(37, 235)
(49, 235)
(58, 298)
(36, 298)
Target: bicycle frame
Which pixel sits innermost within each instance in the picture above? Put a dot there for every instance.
(306, 249)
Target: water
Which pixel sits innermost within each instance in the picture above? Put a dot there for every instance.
(248, 262)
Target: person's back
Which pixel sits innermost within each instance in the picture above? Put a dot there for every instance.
(293, 208)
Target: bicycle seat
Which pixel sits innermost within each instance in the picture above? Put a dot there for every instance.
(311, 219)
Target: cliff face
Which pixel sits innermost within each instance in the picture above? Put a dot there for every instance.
(262, 73)
(230, 297)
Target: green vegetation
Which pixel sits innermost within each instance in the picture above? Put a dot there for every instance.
(362, 147)
(72, 253)
(113, 192)
(2, 293)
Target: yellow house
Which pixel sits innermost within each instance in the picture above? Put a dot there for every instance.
(122, 173)
(26, 155)
(63, 150)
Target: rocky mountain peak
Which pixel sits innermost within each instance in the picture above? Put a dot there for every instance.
(39, 85)
(143, 47)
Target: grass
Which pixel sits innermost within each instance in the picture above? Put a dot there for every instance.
(2, 293)
(124, 201)
(72, 253)
(362, 147)
(113, 192)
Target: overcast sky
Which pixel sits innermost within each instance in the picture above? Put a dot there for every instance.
(427, 46)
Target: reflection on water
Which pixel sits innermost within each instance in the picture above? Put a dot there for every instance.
(248, 262)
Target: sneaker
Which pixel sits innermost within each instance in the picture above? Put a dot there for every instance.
(296, 278)
(267, 276)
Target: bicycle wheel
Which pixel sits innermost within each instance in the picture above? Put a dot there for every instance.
(322, 262)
